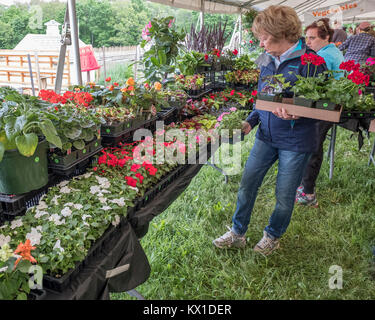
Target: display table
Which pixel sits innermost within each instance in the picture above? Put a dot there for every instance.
(122, 264)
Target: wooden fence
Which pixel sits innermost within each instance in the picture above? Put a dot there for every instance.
(14, 69)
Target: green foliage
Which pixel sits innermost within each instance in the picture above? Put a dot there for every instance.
(189, 62)
(160, 58)
(21, 121)
(232, 121)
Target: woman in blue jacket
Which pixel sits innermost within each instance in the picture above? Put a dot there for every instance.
(280, 136)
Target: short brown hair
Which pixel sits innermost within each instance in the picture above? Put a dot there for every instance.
(323, 27)
(281, 22)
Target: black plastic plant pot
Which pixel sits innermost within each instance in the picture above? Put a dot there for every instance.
(300, 101)
(113, 129)
(63, 160)
(326, 105)
(19, 174)
(127, 125)
(269, 97)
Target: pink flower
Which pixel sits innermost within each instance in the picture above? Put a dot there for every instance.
(251, 41)
(360, 92)
(170, 23)
(370, 61)
(217, 124)
(221, 116)
(233, 109)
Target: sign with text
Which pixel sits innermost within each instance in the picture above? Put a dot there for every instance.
(343, 10)
(88, 60)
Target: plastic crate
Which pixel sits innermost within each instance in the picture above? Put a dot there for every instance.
(16, 205)
(168, 115)
(357, 114)
(81, 164)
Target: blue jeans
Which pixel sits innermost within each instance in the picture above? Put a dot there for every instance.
(290, 170)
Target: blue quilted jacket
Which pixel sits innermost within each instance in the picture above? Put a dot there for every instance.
(292, 135)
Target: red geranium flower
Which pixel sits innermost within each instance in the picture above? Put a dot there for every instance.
(135, 167)
(235, 52)
(108, 79)
(131, 181)
(349, 66)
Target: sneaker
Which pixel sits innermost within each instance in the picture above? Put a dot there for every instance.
(267, 244)
(229, 240)
(299, 190)
(305, 200)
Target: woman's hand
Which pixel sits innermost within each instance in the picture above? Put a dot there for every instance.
(246, 127)
(282, 114)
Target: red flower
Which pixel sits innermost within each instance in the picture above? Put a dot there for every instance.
(359, 78)
(152, 170)
(95, 168)
(206, 57)
(235, 52)
(135, 167)
(140, 177)
(131, 181)
(349, 66)
(232, 92)
(115, 84)
(102, 159)
(254, 93)
(308, 58)
(108, 79)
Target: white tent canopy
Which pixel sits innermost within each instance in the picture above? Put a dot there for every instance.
(301, 6)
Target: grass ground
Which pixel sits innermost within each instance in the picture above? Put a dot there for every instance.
(118, 72)
(185, 264)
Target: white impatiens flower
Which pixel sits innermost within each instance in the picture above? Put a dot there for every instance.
(58, 246)
(94, 189)
(63, 183)
(34, 236)
(87, 175)
(69, 204)
(3, 269)
(104, 182)
(134, 188)
(55, 218)
(4, 239)
(116, 221)
(77, 206)
(65, 190)
(106, 208)
(39, 214)
(85, 216)
(42, 205)
(105, 191)
(120, 202)
(54, 200)
(102, 200)
(16, 223)
(66, 212)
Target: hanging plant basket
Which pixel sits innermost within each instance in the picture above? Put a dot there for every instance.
(20, 174)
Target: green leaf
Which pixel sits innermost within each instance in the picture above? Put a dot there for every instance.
(79, 144)
(162, 57)
(27, 144)
(155, 61)
(72, 133)
(50, 133)
(21, 296)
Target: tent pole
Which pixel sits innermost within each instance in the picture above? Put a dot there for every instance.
(240, 34)
(202, 14)
(75, 43)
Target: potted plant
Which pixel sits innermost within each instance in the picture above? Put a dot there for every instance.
(25, 128)
(192, 62)
(273, 90)
(368, 68)
(162, 43)
(230, 121)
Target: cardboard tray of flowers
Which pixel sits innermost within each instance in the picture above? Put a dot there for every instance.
(300, 111)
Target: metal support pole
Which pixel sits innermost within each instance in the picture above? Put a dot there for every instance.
(372, 154)
(240, 34)
(37, 71)
(332, 151)
(31, 74)
(65, 40)
(75, 42)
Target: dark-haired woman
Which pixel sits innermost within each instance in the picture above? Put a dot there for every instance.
(318, 37)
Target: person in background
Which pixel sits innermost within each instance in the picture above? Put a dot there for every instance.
(318, 37)
(361, 46)
(350, 32)
(339, 34)
(280, 136)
